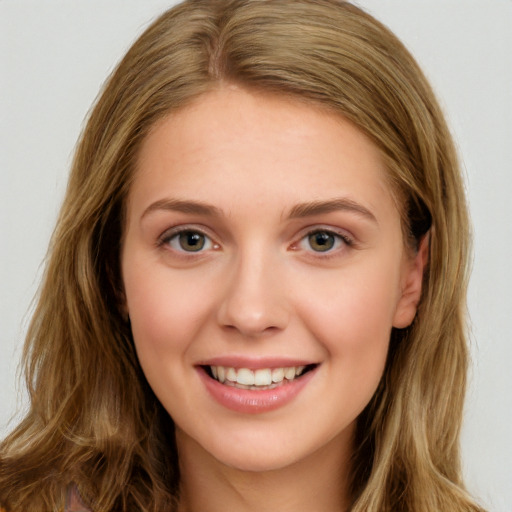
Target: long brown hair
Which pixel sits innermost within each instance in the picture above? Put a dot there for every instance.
(93, 419)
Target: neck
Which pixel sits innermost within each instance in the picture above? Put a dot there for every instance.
(317, 483)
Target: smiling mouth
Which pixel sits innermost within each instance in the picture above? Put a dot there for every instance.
(258, 380)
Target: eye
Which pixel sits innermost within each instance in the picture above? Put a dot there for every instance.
(188, 240)
(322, 240)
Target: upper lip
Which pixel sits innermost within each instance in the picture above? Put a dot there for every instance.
(255, 363)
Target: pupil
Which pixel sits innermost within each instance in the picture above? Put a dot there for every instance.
(191, 241)
(321, 241)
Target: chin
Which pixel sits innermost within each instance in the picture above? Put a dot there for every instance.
(257, 463)
(260, 451)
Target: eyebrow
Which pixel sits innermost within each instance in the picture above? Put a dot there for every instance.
(300, 210)
(178, 205)
(320, 207)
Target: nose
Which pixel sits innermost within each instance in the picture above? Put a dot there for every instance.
(254, 301)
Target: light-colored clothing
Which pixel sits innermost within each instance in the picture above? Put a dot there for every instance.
(74, 502)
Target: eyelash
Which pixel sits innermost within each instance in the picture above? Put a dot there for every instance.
(341, 239)
(175, 233)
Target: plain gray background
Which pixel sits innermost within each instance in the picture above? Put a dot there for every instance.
(54, 56)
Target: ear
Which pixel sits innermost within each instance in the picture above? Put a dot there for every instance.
(122, 304)
(412, 281)
(118, 293)
(123, 310)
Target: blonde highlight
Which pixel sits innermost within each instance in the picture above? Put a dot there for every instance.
(97, 424)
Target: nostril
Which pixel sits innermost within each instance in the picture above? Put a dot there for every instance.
(253, 306)
(252, 329)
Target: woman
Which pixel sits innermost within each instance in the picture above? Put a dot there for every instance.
(255, 293)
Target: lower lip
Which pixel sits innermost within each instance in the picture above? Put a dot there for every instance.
(251, 401)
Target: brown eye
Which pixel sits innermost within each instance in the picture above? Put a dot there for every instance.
(322, 241)
(189, 241)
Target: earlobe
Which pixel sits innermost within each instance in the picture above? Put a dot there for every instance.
(412, 285)
(123, 310)
(119, 294)
(122, 305)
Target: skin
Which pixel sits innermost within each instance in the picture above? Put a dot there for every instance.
(260, 288)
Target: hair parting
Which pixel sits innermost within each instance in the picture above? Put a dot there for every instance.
(94, 421)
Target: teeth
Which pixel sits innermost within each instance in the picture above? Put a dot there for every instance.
(231, 375)
(261, 377)
(289, 373)
(245, 377)
(277, 374)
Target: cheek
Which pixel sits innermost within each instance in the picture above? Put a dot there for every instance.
(351, 315)
(166, 310)
(353, 325)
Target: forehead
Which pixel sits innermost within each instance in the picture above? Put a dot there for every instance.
(247, 146)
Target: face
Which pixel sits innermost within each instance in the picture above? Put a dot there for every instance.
(264, 268)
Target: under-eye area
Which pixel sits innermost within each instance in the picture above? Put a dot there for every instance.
(260, 379)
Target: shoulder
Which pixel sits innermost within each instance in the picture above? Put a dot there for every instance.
(74, 501)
